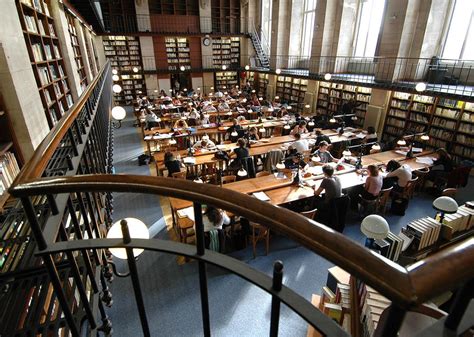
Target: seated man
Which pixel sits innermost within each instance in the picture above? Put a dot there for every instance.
(205, 144)
(331, 185)
(234, 131)
(300, 145)
(324, 154)
(151, 119)
(208, 107)
(320, 137)
(295, 161)
(223, 106)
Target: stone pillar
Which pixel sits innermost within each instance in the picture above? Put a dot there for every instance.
(205, 16)
(318, 33)
(82, 46)
(142, 11)
(377, 109)
(99, 49)
(18, 85)
(310, 97)
(280, 40)
(57, 12)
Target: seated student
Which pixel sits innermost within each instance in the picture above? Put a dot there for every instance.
(194, 116)
(253, 134)
(176, 101)
(398, 175)
(295, 161)
(223, 106)
(208, 107)
(300, 145)
(320, 137)
(444, 164)
(300, 128)
(151, 119)
(373, 184)
(235, 128)
(205, 119)
(239, 153)
(213, 220)
(371, 135)
(180, 124)
(331, 185)
(204, 144)
(172, 164)
(324, 154)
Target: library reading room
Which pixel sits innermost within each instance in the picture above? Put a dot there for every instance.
(292, 168)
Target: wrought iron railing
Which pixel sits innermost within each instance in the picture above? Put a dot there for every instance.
(80, 204)
(175, 24)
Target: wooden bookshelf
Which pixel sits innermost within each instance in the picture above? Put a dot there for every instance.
(226, 51)
(90, 56)
(174, 7)
(225, 79)
(332, 96)
(221, 12)
(124, 54)
(292, 90)
(262, 84)
(178, 53)
(448, 122)
(81, 70)
(46, 58)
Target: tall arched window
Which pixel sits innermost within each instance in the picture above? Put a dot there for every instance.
(459, 43)
(368, 26)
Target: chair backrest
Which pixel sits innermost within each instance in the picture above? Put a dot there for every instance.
(249, 166)
(384, 195)
(450, 192)
(262, 174)
(310, 214)
(179, 175)
(229, 179)
(422, 171)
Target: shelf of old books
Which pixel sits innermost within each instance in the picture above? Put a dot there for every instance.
(226, 51)
(292, 90)
(178, 53)
(226, 79)
(80, 66)
(46, 58)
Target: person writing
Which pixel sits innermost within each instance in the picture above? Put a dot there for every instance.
(324, 154)
(331, 185)
(204, 144)
(398, 175)
(172, 164)
(300, 128)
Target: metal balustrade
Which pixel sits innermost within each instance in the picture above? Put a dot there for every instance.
(79, 199)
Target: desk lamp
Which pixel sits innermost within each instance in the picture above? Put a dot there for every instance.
(241, 172)
(374, 228)
(132, 227)
(445, 205)
(118, 113)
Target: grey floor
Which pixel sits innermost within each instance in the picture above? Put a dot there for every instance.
(171, 291)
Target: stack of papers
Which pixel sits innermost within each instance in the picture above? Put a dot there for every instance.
(425, 160)
(261, 196)
(189, 160)
(361, 135)
(416, 149)
(403, 153)
(186, 212)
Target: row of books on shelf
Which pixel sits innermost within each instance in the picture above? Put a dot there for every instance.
(39, 5)
(371, 306)
(449, 113)
(421, 107)
(8, 171)
(467, 128)
(464, 152)
(445, 123)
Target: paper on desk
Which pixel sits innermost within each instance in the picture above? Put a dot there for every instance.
(310, 182)
(221, 146)
(261, 196)
(349, 128)
(403, 153)
(317, 170)
(186, 212)
(189, 160)
(425, 160)
(348, 134)
(361, 135)
(148, 137)
(417, 149)
(264, 140)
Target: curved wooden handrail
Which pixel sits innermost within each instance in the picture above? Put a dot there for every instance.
(406, 287)
(35, 167)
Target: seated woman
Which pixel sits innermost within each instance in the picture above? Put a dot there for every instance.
(373, 184)
(398, 176)
(151, 120)
(239, 153)
(324, 155)
(253, 134)
(205, 144)
(300, 128)
(176, 101)
(172, 164)
(180, 124)
(223, 106)
(441, 166)
(213, 220)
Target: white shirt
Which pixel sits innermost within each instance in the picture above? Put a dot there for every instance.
(209, 225)
(403, 174)
(300, 145)
(210, 145)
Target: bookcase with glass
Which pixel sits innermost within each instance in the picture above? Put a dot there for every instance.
(77, 51)
(226, 51)
(46, 58)
(226, 79)
(178, 53)
(124, 55)
(332, 96)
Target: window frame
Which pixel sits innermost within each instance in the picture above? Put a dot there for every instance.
(360, 4)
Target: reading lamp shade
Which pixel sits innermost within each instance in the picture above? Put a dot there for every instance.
(116, 88)
(374, 227)
(118, 113)
(137, 229)
(445, 204)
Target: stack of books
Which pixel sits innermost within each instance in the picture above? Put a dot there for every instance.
(371, 305)
(8, 171)
(425, 232)
(460, 221)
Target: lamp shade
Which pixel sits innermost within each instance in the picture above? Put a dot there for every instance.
(234, 134)
(307, 106)
(205, 137)
(278, 71)
(425, 137)
(261, 130)
(402, 142)
(198, 180)
(137, 229)
(332, 120)
(118, 113)
(114, 71)
(182, 68)
(354, 118)
(115, 77)
(376, 147)
(311, 123)
(327, 77)
(277, 97)
(374, 227)
(445, 204)
(421, 86)
(116, 88)
(280, 166)
(346, 153)
(253, 91)
(247, 67)
(135, 69)
(224, 67)
(242, 172)
(287, 126)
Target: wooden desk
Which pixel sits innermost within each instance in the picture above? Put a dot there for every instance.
(259, 184)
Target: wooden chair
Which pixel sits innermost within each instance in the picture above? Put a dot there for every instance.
(410, 188)
(229, 179)
(262, 174)
(368, 206)
(382, 200)
(422, 174)
(310, 214)
(450, 192)
(179, 175)
(259, 233)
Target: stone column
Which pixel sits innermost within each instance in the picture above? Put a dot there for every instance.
(142, 11)
(18, 85)
(280, 40)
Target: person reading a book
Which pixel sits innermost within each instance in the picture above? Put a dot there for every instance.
(213, 221)
(398, 176)
(331, 185)
(172, 164)
(300, 128)
(324, 155)
(441, 166)
(205, 144)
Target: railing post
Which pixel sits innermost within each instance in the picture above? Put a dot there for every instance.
(135, 280)
(459, 306)
(389, 326)
(276, 286)
(200, 250)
